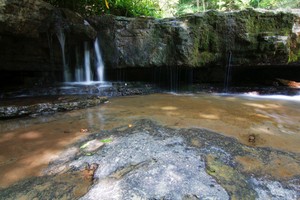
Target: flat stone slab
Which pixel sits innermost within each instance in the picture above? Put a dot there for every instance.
(141, 166)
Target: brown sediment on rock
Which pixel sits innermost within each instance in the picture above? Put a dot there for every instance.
(279, 166)
(227, 175)
(89, 171)
(68, 185)
(26, 151)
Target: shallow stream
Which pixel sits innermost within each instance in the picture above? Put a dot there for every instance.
(27, 145)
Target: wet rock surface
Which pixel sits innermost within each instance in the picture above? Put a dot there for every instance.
(31, 18)
(249, 37)
(70, 185)
(110, 89)
(145, 160)
(38, 101)
(30, 51)
(11, 108)
(31, 34)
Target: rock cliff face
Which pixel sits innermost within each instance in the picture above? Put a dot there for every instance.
(251, 37)
(30, 51)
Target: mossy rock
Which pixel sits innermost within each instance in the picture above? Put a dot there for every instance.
(232, 180)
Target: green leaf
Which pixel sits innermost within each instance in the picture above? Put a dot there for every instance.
(108, 140)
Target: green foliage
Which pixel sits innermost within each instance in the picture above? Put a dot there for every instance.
(165, 8)
(190, 6)
(128, 8)
(85, 7)
(135, 8)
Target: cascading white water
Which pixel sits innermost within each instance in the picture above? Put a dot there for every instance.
(84, 70)
(99, 62)
(79, 76)
(87, 63)
(62, 40)
(227, 72)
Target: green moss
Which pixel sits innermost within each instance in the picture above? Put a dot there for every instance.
(294, 48)
(233, 181)
(204, 38)
(294, 57)
(269, 23)
(206, 58)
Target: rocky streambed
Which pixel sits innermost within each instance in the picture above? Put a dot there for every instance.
(145, 160)
(159, 146)
(49, 100)
(11, 108)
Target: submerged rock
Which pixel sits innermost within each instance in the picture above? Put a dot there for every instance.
(70, 185)
(48, 105)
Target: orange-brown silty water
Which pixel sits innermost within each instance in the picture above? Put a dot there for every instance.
(28, 145)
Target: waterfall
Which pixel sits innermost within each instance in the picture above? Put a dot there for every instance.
(99, 62)
(174, 79)
(229, 46)
(227, 72)
(79, 76)
(62, 40)
(87, 63)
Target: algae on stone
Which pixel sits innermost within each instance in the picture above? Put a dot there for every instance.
(232, 180)
(202, 39)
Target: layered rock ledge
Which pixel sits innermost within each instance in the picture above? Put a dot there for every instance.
(31, 53)
(251, 37)
(43, 105)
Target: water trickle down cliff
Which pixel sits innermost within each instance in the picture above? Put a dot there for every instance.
(198, 42)
(256, 39)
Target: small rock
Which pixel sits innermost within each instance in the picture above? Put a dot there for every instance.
(67, 131)
(251, 138)
(84, 130)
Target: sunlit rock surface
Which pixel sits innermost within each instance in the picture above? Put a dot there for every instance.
(195, 40)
